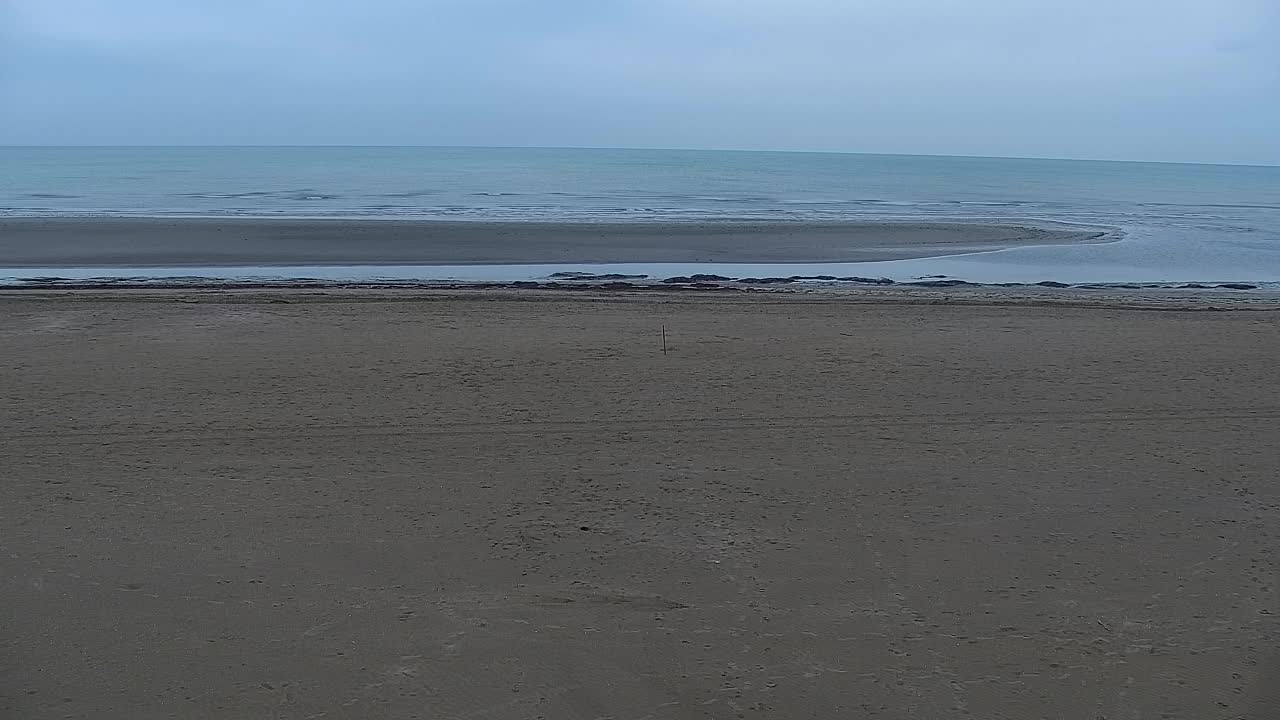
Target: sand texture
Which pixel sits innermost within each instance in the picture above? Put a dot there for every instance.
(141, 242)
(510, 506)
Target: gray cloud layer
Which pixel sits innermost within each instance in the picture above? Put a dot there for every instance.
(1195, 80)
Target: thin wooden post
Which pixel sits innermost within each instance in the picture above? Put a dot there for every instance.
(664, 339)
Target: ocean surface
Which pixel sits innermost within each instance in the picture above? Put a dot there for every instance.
(1187, 223)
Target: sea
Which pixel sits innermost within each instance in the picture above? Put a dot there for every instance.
(1173, 222)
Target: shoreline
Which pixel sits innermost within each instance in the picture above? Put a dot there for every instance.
(71, 242)
(314, 279)
(1030, 295)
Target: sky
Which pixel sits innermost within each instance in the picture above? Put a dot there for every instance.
(1163, 80)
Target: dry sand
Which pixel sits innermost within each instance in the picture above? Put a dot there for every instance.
(503, 505)
(139, 242)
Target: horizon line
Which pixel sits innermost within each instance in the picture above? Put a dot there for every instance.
(639, 149)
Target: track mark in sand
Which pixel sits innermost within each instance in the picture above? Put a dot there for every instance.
(639, 602)
(609, 426)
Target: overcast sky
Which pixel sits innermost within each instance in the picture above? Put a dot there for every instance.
(1193, 80)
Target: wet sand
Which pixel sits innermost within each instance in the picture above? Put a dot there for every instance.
(512, 505)
(105, 242)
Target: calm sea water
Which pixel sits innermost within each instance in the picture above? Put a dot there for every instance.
(1182, 222)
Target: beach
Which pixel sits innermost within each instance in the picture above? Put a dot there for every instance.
(514, 504)
(211, 242)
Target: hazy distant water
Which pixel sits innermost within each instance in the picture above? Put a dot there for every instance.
(1184, 222)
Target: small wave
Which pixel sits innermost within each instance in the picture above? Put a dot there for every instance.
(986, 203)
(1224, 206)
(301, 194)
(411, 194)
(227, 196)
